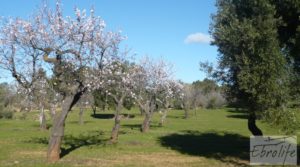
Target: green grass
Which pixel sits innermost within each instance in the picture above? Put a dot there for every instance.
(208, 138)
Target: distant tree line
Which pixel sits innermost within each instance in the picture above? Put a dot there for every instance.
(205, 94)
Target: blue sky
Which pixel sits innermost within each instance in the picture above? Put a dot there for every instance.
(175, 30)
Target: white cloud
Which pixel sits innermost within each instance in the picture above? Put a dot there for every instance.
(198, 38)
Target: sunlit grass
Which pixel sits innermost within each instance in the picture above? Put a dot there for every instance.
(208, 138)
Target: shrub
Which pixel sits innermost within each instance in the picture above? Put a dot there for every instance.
(6, 114)
(23, 116)
(284, 119)
(215, 100)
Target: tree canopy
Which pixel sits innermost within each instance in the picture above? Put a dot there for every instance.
(256, 49)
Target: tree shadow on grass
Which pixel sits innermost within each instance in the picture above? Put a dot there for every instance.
(298, 155)
(103, 116)
(71, 143)
(175, 116)
(138, 126)
(111, 116)
(128, 116)
(226, 147)
(237, 111)
(238, 116)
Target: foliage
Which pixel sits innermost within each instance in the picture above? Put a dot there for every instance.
(102, 100)
(128, 103)
(252, 64)
(203, 94)
(285, 119)
(6, 113)
(288, 29)
(207, 86)
(250, 53)
(215, 100)
(6, 99)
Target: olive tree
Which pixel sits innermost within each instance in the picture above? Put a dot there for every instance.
(252, 62)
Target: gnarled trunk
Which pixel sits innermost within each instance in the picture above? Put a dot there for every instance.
(81, 121)
(163, 117)
(116, 128)
(185, 107)
(165, 113)
(252, 125)
(142, 110)
(186, 113)
(56, 137)
(94, 108)
(57, 131)
(43, 124)
(149, 110)
(146, 122)
(52, 110)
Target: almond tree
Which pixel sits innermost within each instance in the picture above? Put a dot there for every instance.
(26, 70)
(187, 99)
(82, 103)
(118, 84)
(40, 94)
(65, 48)
(151, 79)
(173, 89)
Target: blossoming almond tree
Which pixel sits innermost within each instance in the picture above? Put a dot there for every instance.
(151, 80)
(172, 89)
(118, 84)
(65, 48)
(41, 87)
(25, 69)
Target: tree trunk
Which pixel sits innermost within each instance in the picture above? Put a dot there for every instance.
(186, 113)
(252, 125)
(105, 105)
(81, 121)
(52, 110)
(57, 131)
(43, 124)
(149, 110)
(163, 117)
(146, 123)
(94, 108)
(116, 128)
(142, 110)
(185, 107)
(56, 137)
(195, 112)
(165, 112)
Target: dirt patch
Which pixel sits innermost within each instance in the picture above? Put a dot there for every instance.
(4, 142)
(154, 159)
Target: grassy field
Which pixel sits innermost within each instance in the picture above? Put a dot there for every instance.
(209, 138)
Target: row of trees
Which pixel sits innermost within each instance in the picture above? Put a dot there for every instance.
(201, 94)
(69, 57)
(259, 62)
(7, 97)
